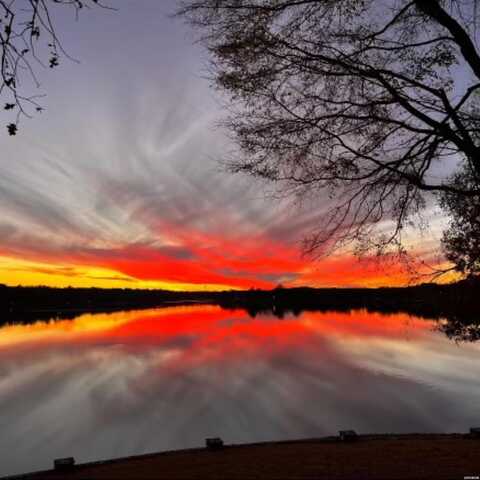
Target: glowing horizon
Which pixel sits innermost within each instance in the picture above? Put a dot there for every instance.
(16, 272)
(119, 185)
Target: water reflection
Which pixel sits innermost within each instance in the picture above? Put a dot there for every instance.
(117, 384)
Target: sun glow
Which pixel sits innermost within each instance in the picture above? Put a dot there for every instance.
(15, 272)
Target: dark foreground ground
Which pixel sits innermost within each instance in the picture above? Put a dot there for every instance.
(370, 457)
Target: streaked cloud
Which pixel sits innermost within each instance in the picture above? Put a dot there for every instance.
(118, 183)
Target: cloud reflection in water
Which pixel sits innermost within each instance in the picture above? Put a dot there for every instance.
(106, 385)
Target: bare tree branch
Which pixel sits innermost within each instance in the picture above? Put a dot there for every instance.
(369, 103)
(28, 34)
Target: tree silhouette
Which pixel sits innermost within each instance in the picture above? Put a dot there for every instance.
(461, 240)
(27, 39)
(371, 101)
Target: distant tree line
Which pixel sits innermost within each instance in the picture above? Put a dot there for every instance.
(456, 306)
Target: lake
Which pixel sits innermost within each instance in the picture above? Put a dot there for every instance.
(109, 385)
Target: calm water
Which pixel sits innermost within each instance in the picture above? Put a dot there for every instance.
(109, 385)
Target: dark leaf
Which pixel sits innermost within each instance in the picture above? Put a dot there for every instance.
(12, 129)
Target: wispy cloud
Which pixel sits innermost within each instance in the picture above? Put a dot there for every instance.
(122, 172)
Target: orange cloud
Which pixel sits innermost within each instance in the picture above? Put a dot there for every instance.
(188, 258)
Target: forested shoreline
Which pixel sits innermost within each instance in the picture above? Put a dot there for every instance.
(457, 300)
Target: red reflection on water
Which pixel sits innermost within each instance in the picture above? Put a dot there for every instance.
(209, 328)
(167, 378)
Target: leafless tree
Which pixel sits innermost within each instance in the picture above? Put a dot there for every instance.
(27, 39)
(374, 101)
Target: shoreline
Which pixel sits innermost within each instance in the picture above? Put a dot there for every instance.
(458, 301)
(373, 456)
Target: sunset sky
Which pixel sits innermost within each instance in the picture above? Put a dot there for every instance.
(118, 184)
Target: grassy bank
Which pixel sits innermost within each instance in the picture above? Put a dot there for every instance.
(385, 457)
